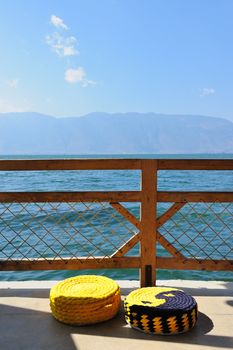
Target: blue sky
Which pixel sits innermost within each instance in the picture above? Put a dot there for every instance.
(71, 57)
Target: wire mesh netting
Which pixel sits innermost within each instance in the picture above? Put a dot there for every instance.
(89, 230)
(202, 231)
(61, 230)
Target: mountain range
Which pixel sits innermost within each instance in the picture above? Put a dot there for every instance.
(119, 133)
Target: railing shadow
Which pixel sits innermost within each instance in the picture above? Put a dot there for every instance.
(26, 328)
(226, 290)
(29, 328)
(22, 328)
(25, 293)
(32, 329)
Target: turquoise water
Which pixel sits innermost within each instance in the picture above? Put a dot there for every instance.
(19, 241)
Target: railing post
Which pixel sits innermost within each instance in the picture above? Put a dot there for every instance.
(148, 222)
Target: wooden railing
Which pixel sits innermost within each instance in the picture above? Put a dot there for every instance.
(152, 229)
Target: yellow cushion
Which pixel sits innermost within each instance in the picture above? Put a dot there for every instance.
(86, 299)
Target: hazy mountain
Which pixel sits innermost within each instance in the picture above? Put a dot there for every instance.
(33, 133)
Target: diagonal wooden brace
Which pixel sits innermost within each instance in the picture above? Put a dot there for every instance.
(136, 238)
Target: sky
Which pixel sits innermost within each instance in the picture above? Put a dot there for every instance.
(73, 57)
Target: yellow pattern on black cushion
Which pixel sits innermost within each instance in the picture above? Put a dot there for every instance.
(160, 310)
(85, 300)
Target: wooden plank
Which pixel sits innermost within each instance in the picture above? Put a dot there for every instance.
(195, 164)
(194, 264)
(115, 196)
(70, 264)
(209, 197)
(160, 221)
(127, 246)
(70, 164)
(37, 197)
(169, 213)
(126, 214)
(168, 246)
(102, 263)
(148, 223)
(114, 164)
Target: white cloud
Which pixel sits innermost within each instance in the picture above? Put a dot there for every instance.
(13, 83)
(66, 46)
(78, 75)
(58, 22)
(63, 46)
(207, 91)
(7, 107)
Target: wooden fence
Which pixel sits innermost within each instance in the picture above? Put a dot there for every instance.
(152, 229)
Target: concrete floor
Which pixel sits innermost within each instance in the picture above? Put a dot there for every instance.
(26, 322)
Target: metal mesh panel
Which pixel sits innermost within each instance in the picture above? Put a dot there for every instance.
(61, 230)
(202, 231)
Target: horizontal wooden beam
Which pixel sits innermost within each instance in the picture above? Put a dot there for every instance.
(195, 164)
(70, 164)
(39, 197)
(210, 197)
(111, 196)
(83, 263)
(70, 264)
(113, 164)
(194, 264)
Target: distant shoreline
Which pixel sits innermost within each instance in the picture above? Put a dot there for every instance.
(124, 156)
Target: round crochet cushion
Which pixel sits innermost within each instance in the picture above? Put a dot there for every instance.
(85, 300)
(160, 310)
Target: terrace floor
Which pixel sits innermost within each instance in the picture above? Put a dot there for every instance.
(26, 322)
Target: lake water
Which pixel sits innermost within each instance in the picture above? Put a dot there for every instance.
(19, 237)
